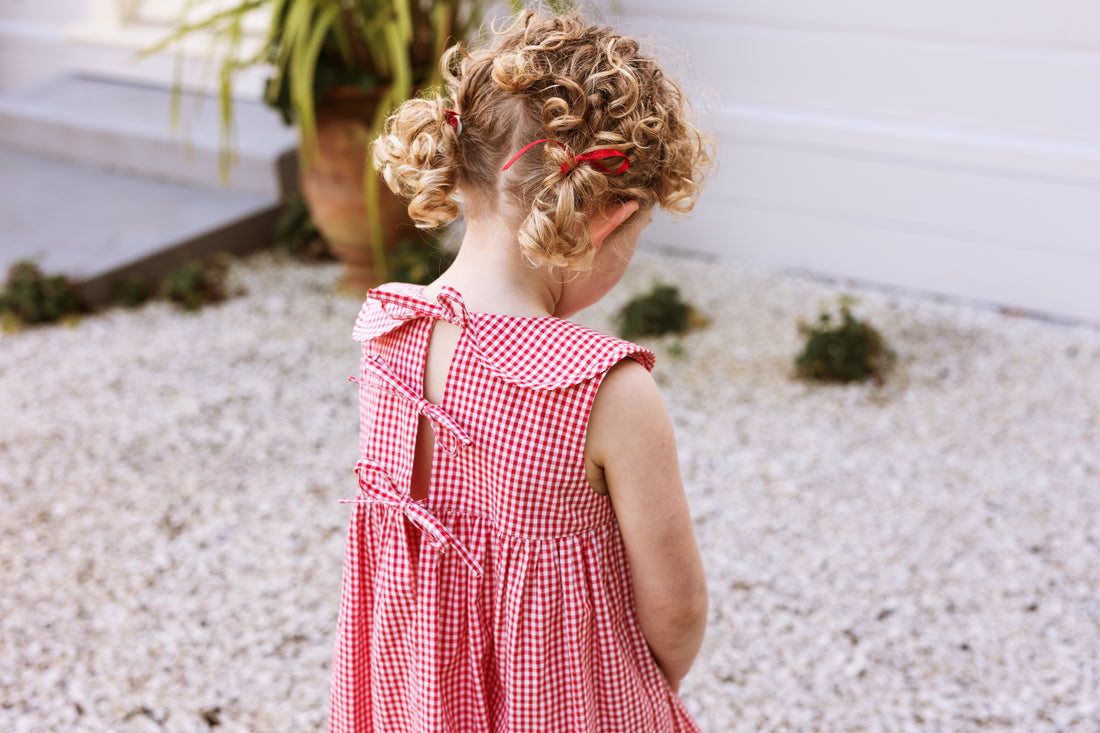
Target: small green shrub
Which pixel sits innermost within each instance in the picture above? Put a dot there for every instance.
(131, 291)
(656, 313)
(197, 283)
(29, 297)
(842, 350)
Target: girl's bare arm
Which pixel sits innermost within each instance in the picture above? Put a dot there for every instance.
(631, 453)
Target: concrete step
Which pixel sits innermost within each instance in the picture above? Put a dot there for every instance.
(96, 185)
(127, 128)
(96, 225)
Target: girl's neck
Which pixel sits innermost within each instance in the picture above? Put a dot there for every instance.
(492, 275)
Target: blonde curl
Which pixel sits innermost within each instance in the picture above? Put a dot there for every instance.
(417, 157)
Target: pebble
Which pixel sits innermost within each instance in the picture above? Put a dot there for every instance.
(919, 555)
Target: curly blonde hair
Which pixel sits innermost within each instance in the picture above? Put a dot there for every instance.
(580, 85)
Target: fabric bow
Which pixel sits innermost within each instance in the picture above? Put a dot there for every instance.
(452, 437)
(593, 158)
(448, 307)
(454, 119)
(378, 487)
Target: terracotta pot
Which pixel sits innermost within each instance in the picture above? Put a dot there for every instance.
(332, 186)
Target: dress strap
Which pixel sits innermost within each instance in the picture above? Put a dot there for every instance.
(376, 486)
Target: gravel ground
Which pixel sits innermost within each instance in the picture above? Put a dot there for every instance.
(917, 556)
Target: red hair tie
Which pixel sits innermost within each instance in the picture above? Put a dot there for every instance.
(593, 158)
(454, 120)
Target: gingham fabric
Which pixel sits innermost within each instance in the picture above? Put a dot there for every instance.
(502, 602)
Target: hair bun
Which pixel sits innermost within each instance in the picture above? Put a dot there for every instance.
(417, 155)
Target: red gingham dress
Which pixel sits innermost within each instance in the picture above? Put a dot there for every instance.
(502, 602)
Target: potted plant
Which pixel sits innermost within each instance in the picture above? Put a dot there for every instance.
(338, 67)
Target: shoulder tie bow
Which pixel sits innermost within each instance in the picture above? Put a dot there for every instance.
(448, 306)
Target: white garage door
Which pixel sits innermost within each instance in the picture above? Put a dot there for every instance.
(946, 146)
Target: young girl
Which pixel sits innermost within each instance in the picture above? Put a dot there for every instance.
(520, 556)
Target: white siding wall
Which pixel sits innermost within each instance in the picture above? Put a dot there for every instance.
(946, 146)
(32, 38)
(951, 146)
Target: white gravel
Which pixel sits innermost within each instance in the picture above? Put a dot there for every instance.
(917, 556)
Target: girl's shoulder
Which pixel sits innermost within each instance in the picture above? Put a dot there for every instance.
(537, 353)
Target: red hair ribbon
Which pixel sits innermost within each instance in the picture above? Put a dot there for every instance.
(454, 120)
(593, 158)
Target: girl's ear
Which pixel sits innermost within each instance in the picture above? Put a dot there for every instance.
(607, 219)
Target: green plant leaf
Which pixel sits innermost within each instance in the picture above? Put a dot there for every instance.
(373, 29)
(216, 24)
(399, 57)
(286, 28)
(403, 19)
(371, 190)
(343, 44)
(306, 55)
(442, 21)
(225, 99)
(278, 8)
